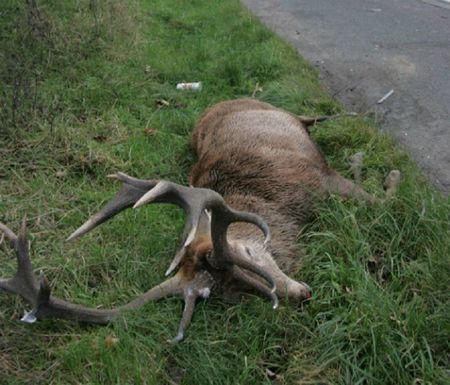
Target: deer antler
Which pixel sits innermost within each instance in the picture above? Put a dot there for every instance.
(38, 293)
(195, 202)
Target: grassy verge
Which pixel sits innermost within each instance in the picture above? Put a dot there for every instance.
(88, 88)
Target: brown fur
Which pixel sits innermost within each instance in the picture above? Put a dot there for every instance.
(262, 160)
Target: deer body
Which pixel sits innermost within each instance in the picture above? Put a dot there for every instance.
(257, 173)
(261, 160)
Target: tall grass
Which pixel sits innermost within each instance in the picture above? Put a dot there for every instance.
(88, 88)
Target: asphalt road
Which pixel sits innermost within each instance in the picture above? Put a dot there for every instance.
(365, 48)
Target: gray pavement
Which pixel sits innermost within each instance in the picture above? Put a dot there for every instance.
(365, 48)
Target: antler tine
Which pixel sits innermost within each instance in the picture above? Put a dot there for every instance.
(132, 190)
(242, 276)
(190, 229)
(199, 287)
(41, 299)
(9, 234)
(194, 224)
(23, 258)
(143, 184)
(241, 216)
(24, 281)
(188, 312)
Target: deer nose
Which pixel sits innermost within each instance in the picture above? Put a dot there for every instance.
(307, 290)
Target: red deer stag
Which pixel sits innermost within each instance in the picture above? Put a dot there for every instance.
(257, 170)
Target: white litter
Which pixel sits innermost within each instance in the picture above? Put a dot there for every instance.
(29, 317)
(385, 97)
(195, 86)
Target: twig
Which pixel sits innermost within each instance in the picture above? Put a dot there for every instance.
(257, 89)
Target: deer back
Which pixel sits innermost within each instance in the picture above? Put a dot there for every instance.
(250, 148)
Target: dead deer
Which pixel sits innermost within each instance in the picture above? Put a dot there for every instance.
(255, 184)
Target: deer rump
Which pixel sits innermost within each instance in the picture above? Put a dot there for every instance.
(254, 185)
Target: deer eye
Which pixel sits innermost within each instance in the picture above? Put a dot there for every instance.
(247, 250)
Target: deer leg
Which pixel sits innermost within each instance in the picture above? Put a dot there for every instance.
(391, 182)
(337, 184)
(349, 189)
(356, 161)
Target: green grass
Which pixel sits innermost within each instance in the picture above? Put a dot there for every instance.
(80, 81)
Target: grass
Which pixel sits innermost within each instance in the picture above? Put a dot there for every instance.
(84, 86)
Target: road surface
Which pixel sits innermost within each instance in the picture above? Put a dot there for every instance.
(366, 48)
